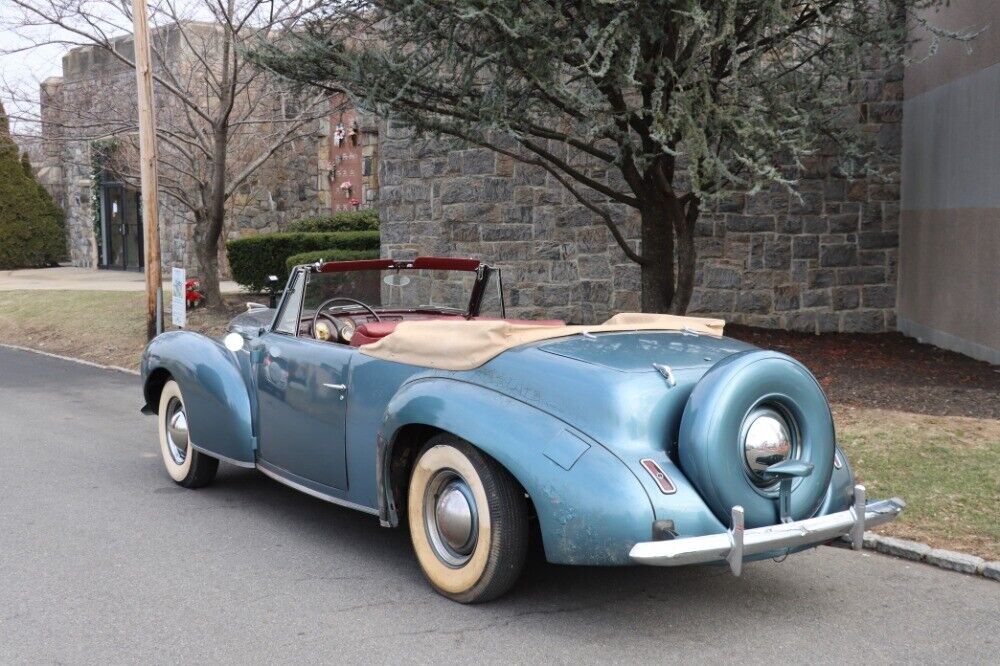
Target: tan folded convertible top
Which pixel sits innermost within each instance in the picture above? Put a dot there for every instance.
(448, 344)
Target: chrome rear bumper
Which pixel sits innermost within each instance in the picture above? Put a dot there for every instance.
(736, 544)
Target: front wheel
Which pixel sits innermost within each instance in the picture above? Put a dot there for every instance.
(185, 465)
(468, 521)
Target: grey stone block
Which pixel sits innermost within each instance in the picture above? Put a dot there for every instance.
(801, 321)
(949, 559)
(877, 240)
(861, 275)
(910, 550)
(879, 296)
(845, 298)
(721, 277)
(754, 301)
(840, 254)
(992, 570)
(821, 278)
(863, 321)
(840, 224)
(749, 223)
(805, 247)
(815, 298)
(786, 297)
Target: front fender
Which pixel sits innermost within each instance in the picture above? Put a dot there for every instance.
(591, 508)
(215, 392)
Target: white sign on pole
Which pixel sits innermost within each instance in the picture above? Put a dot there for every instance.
(178, 303)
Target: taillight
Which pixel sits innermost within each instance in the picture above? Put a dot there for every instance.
(662, 480)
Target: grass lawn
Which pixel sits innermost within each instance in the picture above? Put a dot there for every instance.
(106, 327)
(947, 468)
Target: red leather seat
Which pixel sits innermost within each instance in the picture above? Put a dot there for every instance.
(371, 332)
(374, 331)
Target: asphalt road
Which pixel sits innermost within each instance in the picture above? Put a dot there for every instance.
(104, 560)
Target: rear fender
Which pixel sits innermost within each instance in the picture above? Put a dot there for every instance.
(591, 508)
(215, 392)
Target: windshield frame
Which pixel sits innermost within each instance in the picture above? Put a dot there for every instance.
(483, 274)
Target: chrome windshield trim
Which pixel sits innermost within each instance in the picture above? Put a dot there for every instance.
(729, 547)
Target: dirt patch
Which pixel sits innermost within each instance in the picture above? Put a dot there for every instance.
(888, 370)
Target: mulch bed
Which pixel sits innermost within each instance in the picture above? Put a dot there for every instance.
(888, 371)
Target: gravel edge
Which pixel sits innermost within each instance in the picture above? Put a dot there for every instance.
(116, 368)
(921, 552)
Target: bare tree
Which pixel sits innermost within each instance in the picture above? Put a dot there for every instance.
(219, 119)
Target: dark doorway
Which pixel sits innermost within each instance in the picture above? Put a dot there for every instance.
(121, 227)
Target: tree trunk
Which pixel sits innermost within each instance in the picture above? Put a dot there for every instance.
(668, 237)
(686, 256)
(207, 252)
(212, 221)
(657, 271)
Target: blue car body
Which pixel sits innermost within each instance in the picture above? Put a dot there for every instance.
(571, 419)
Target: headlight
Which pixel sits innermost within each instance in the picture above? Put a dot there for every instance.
(767, 440)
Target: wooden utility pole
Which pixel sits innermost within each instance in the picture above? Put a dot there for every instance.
(147, 164)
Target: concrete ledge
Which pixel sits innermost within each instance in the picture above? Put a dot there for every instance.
(921, 552)
(947, 340)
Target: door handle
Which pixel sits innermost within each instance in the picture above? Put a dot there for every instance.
(336, 387)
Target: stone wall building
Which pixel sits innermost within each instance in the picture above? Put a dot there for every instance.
(827, 260)
(85, 135)
(822, 262)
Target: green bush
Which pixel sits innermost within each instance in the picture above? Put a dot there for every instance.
(328, 255)
(31, 224)
(253, 259)
(355, 220)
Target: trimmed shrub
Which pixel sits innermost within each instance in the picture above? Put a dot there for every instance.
(355, 220)
(254, 258)
(328, 255)
(31, 224)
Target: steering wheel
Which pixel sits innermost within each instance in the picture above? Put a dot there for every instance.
(329, 301)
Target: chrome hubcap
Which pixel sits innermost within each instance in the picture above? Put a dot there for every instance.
(177, 431)
(451, 518)
(766, 440)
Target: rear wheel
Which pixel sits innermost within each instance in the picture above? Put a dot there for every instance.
(468, 521)
(185, 465)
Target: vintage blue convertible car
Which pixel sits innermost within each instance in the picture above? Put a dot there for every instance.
(399, 388)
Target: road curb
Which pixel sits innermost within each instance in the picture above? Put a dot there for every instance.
(116, 368)
(922, 552)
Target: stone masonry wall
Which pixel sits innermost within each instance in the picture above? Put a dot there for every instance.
(825, 262)
(288, 187)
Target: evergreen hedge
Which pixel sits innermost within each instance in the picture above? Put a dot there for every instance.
(355, 220)
(329, 255)
(253, 259)
(32, 232)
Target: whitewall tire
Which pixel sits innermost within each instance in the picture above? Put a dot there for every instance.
(185, 465)
(468, 521)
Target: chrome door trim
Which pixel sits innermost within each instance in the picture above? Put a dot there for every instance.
(262, 466)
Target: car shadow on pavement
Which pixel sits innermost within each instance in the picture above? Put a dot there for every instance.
(361, 536)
